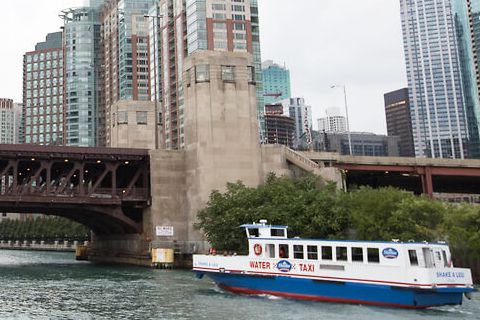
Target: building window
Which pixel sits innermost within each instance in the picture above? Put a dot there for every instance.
(251, 74)
(122, 117)
(202, 73)
(228, 73)
(141, 117)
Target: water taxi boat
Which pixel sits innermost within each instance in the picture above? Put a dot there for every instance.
(394, 274)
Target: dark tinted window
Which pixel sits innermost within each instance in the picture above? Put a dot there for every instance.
(373, 255)
(312, 252)
(412, 254)
(298, 251)
(327, 253)
(342, 254)
(357, 254)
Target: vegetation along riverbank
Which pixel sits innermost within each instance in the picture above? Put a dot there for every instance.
(313, 209)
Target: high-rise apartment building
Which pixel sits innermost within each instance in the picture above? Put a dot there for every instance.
(82, 75)
(333, 122)
(125, 42)
(467, 29)
(19, 131)
(302, 113)
(399, 122)
(185, 27)
(7, 122)
(441, 58)
(276, 82)
(43, 92)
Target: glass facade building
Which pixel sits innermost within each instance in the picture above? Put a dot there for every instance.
(302, 114)
(82, 67)
(276, 82)
(467, 28)
(442, 71)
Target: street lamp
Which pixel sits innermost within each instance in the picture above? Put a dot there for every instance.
(346, 113)
(154, 31)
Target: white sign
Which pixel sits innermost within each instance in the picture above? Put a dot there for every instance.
(164, 231)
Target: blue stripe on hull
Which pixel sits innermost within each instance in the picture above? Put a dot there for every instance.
(348, 292)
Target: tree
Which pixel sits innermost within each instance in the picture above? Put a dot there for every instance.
(462, 229)
(389, 213)
(308, 210)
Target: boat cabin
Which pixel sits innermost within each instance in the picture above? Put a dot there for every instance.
(271, 242)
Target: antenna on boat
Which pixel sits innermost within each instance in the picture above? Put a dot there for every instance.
(263, 222)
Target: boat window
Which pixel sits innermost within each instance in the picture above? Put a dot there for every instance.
(412, 254)
(270, 250)
(312, 252)
(445, 260)
(357, 254)
(342, 254)
(277, 232)
(327, 253)
(427, 255)
(298, 251)
(373, 255)
(253, 232)
(283, 251)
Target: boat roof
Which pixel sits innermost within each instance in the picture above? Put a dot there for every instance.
(352, 241)
(260, 225)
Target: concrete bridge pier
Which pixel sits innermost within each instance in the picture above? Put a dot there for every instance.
(221, 146)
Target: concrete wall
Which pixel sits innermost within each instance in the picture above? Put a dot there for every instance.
(221, 130)
(169, 200)
(131, 134)
(221, 138)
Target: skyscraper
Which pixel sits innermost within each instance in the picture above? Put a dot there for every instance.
(333, 122)
(467, 29)
(125, 46)
(302, 113)
(276, 82)
(185, 27)
(399, 121)
(82, 68)
(19, 131)
(439, 48)
(7, 122)
(43, 97)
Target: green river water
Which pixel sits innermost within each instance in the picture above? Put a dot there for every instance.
(40, 285)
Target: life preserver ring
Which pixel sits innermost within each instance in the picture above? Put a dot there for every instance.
(257, 248)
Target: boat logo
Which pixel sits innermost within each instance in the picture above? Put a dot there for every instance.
(390, 253)
(284, 266)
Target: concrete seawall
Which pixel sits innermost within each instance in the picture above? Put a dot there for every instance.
(58, 246)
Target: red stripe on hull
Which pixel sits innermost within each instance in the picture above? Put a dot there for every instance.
(315, 298)
(331, 278)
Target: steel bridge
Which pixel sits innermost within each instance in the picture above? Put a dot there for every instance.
(105, 189)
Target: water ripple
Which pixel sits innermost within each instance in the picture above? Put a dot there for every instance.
(42, 286)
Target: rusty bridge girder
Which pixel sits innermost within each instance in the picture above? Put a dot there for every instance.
(104, 188)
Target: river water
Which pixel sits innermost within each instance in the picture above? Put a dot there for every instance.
(39, 285)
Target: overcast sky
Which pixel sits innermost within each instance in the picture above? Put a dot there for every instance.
(322, 42)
